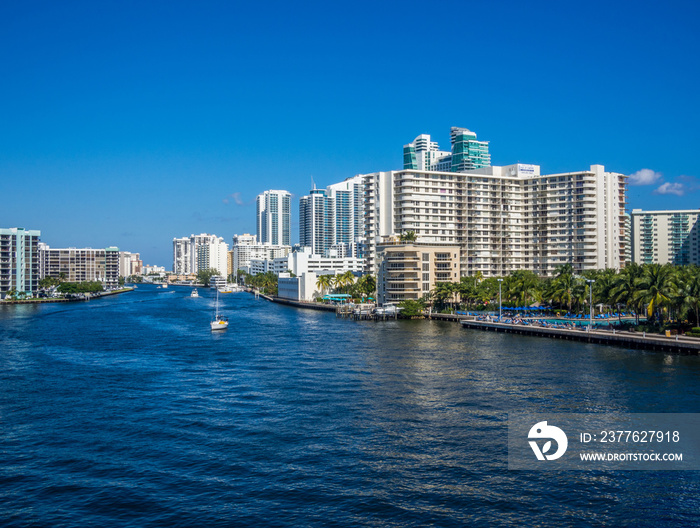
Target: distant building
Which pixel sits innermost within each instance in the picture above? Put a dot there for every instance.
(662, 237)
(467, 153)
(300, 262)
(198, 252)
(410, 271)
(150, 270)
(274, 216)
(246, 247)
(317, 221)
(20, 268)
(81, 264)
(129, 264)
(333, 218)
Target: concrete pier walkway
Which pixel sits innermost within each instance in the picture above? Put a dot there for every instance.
(674, 344)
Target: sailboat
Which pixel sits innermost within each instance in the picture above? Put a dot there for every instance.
(220, 322)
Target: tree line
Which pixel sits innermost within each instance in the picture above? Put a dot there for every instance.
(660, 292)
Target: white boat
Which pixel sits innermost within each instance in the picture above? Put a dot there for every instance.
(220, 322)
(194, 293)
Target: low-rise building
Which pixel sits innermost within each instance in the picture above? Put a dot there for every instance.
(302, 288)
(410, 271)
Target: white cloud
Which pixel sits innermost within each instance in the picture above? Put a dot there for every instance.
(645, 177)
(671, 188)
(236, 197)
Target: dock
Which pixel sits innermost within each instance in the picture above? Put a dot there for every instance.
(638, 340)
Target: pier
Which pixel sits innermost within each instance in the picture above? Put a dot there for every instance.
(638, 340)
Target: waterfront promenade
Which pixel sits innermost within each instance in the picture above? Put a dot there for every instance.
(640, 340)
(614, 337)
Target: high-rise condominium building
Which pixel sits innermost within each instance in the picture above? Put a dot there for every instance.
(332, 219)
(316, 221)
(274, 215)
(199, 252)
(503, 218)
(81, 264)
(467, 153)
(19, 260)
(661, 237)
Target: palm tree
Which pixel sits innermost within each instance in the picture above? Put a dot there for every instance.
(604, 283)
(323, 282)
(562, 288)
(626, 288)
(656, 287)
(689, 292)
(525, 287)
(442, 292)
(348, 278)
(367, 284)
(408, 236)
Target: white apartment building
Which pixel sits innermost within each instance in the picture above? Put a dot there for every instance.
(302, 288)
(334, 216)
(274, 217)
(129, 264)
(149, 270)
(662, 237)
(502, 218)
(304, 261)
(204, 251)
(246, 248)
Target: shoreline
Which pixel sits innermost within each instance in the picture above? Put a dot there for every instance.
(641, 341)
(62, 300)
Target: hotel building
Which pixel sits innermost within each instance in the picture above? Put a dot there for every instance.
(502, 218)
(662, 237)
(19, 260)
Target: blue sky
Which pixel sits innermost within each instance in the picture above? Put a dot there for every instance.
(130, 123)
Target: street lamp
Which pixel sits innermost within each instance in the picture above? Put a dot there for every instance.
(500, 305)
(590, 301)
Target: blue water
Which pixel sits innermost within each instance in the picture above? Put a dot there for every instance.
(128, 411)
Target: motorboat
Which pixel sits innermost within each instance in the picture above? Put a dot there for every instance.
(194, 293)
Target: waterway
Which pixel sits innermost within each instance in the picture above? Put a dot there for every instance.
(129, 411)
